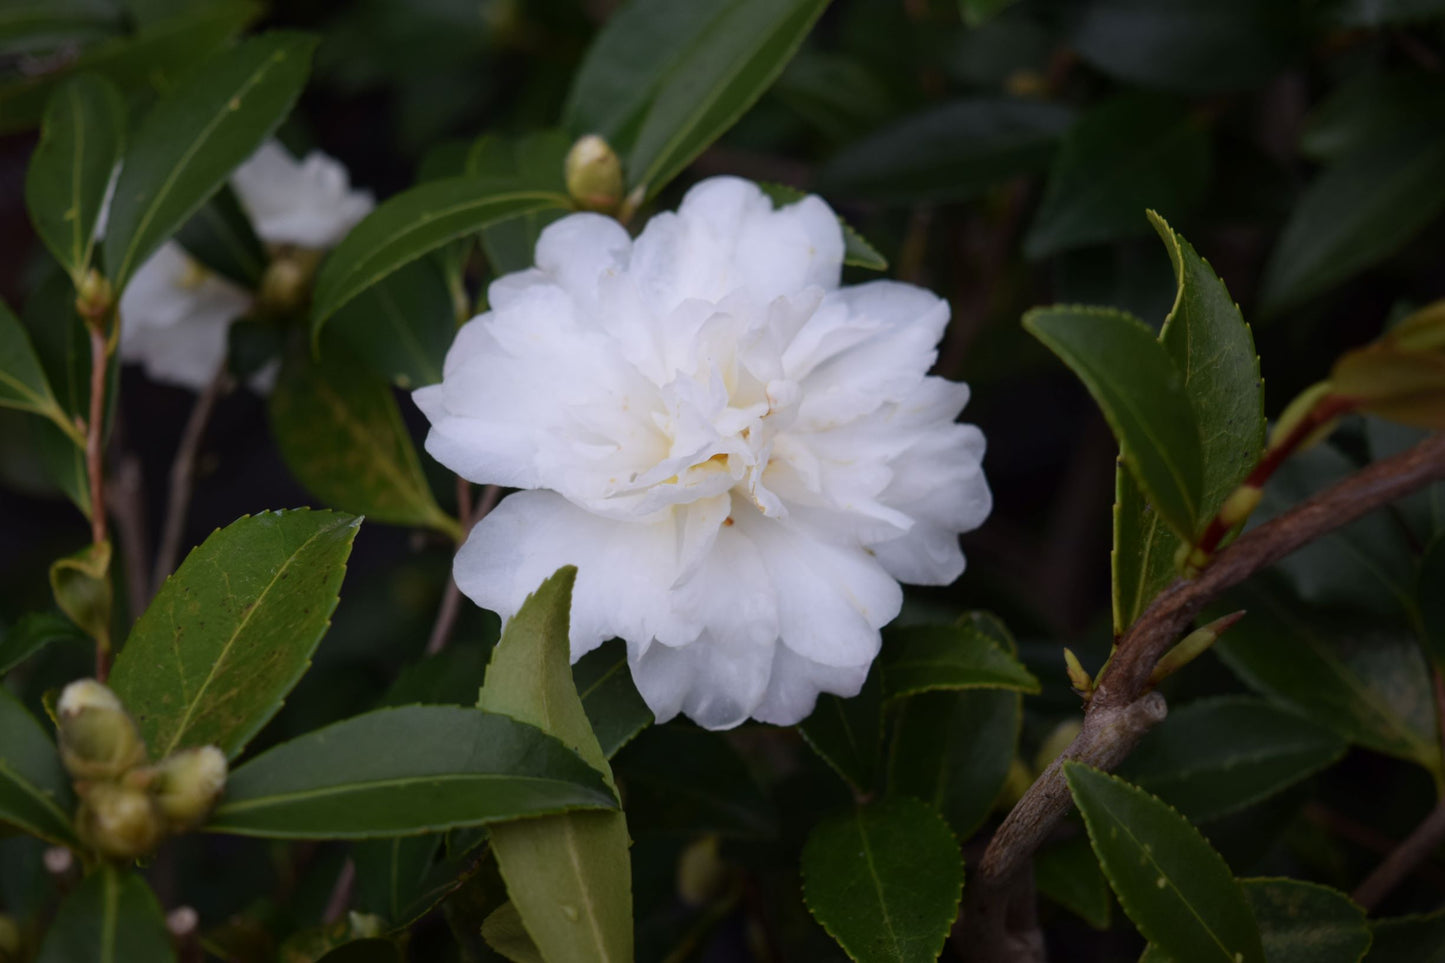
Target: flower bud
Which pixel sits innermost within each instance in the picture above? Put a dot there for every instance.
(187, 785)
(9, 939)
(119, 821)
(286, 285)
(94, 297)
(98, 740)
(702, 875)
(594, 174)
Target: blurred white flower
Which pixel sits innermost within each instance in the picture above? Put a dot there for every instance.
(175, 313)
(742, 458)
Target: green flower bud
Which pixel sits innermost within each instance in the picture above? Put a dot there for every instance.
(187, 785)
(98, 740)
(9, 939)
(702, 875)
(93, 297)
(286, 285)
(119, 821)
(594, 174)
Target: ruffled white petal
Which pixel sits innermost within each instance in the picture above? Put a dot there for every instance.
(307, 202)
(741, 457)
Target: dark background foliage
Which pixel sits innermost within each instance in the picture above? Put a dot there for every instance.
(1000, 153)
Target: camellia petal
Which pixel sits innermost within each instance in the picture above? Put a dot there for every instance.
(741, 457)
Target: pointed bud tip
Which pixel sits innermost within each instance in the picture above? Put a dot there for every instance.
(593, 174)
(187, 785)
(120, 822)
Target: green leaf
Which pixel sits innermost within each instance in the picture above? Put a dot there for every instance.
(81, 584)
(953, 750)
(687, 781)
(966, 655)
(568, 876)
(505, 933)
(1408, 939)
(1356, 214)
(884, 881)
(1218, 756)
(976, 13)
(1121, 158)
(722, 73)
(231, 632)
(80, 143)
(1171, 882)
(1368, 108)
(848, 733)
(613, 705)
(535, 161)
(1195, 46)
(194, 137)
(1430, 599)
(952, 152)
(1378, 13)
(41, 25)
(857, 252)
(34, 789)
(392, 877)
(33, 632)
(154, 57)
(1300, 923)
(1068, 874)
(414, 223)
(630, 61)
(414, 769)
(340, 432)
(1213, 349)
(451, 677)
(111, 916)
(1141, 390)
(402, 326)
(1368, 683)
(220, 237)
(23, 384)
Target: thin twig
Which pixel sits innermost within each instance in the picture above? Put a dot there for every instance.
(340, 900)
(451, 606)
(1119, 709)
(183, 475)
(1414, 850)
(95, 435)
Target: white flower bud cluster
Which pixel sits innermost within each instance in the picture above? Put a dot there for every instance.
(128, 807)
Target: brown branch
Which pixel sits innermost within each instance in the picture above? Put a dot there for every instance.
(1412, 852)
(451, 606)
(183, 475)
(340, 900)
(1120, 710)
(95, 435)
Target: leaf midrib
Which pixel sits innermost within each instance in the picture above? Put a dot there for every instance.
(230, 809)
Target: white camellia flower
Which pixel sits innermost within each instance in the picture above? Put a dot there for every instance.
(742, 458)
(175, 313)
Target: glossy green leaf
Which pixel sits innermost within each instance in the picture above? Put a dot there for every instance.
(1195, 46)
(1217, 756)
(31, 633)
(1123, 157)
(34, 789)
(925, 658)
(568, 876)
(111, 916)
(41, 25)
(686, 781)
(953, 750)
(1171, 882)
(1408, 939)
(81, 140)
(153, 58)
(835, 93)
(1367, 682)
(507, 935)
(613, 705)
(1068, 873)
(628, 63)
(194, 137)
(23, 382)
(848, 733)
(83, 590)
(414, 769)
(414, 223)
(952, 152)
(535, 161)
(857, 252)
(1357, 213)
(393, 877)
(232, 631)
(723, 71)
(220, 236)
(884, 881)
(1140, 388)
(1213, 349)
(340, 432)
(1368, 108)
(451, 677)
(1300, 922)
